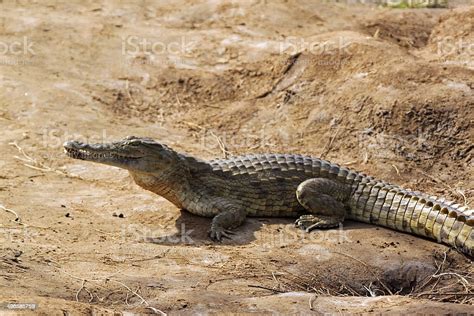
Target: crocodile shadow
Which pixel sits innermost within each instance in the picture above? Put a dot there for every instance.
(193, 230)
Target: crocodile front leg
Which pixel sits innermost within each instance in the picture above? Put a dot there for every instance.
(324, 199)
(230, 216)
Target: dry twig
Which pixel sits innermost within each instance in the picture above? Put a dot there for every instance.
(266, 288)
(220, 142)
(327, 148)
(105, 279)
(32, 163)
(17, 217)
(91, 297)
(396, 169)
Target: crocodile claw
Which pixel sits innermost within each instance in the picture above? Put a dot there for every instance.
(307, 222)
(217, 234)
(310, 222)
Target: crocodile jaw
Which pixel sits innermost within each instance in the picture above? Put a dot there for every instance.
(101, 153)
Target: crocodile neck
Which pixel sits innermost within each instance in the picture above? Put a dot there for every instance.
(170, 184)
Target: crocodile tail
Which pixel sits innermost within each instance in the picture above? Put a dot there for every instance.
(387, 205)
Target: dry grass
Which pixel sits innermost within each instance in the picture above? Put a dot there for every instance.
(448, 284)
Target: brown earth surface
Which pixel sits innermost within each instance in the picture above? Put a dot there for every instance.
(385, 91)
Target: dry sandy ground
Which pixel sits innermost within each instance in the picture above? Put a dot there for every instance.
(388, 92)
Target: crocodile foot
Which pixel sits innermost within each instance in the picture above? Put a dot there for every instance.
(310, 222)
(218, 233)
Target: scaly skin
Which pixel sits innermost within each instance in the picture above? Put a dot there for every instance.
(320, 193)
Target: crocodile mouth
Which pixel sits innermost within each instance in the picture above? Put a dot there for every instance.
(85, 154)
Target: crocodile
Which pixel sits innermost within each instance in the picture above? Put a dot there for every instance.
(320, 194)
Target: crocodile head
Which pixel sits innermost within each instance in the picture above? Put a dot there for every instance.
(132, 153)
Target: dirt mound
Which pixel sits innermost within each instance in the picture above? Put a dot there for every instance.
(407, 28)
(173, 92)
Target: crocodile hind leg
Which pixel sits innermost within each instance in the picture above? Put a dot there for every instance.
(324, 199)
